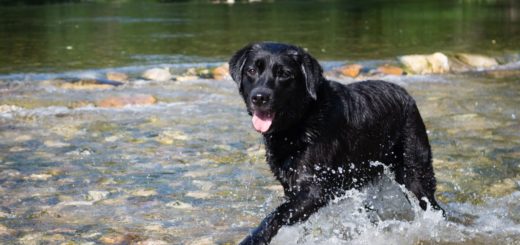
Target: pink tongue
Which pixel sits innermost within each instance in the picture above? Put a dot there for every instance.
(262, 122)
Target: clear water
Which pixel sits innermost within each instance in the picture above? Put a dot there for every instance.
(60, 37)
(190, 169)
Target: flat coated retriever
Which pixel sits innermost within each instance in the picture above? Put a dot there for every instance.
(322, 137)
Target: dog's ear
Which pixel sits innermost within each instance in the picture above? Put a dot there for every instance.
(236, 64)
(312, 73)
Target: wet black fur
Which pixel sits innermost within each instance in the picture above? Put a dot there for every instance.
(325, 135)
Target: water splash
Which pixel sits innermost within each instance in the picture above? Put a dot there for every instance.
(384, 212)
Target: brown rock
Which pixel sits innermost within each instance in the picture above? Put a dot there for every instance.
(221, 72)
(117, 76)
(390, 70)
(121, 101)
(352, 70)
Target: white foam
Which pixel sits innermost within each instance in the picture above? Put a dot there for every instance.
(394, 220)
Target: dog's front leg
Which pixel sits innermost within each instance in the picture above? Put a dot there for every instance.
(306, 201)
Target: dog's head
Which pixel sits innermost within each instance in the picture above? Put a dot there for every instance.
(277, 82)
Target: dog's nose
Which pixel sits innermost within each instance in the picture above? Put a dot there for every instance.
(260, 98)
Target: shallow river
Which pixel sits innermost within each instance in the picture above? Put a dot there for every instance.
(189, 169)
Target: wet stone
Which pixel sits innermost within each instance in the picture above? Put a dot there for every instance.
(202, 241)
(32, 238)
(477, 61)
(112, 138)
(221, 72)
(390, 70)
(203, 185)
(153, 242)
(86, 84)
(9, 108)
(502, 188)
(143, 192)
(256, 152)
(157, 74)
(55, 144)
(502, 73)
(179, 205)
(67, 131)
(168, 137)
(78, 104)
(186, 78)
(42, 176)
(6, 231)
(199, 72)
(97, 195)
(198, 194)
(22, 138)
(117, 76)
(426, 64)
(352, 70)
(122, 101)
(117, 239)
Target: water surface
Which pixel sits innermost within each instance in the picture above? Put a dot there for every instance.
(58, 37)
(190, 169)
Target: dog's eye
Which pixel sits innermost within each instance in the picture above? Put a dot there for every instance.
(251, 71)
(284, 74)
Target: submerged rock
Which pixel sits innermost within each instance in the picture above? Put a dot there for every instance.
(152, 242)
(55, 144)
(390, 70)
(121, 101)
(117, 76)
(143, 192)
(78, 104)
(476, 60)
(179, 205)
(42, 176)
(31, 238)
(169, 137)
(352, 70)
(426, 64)
(198, 194)
(502, 73)
(186, 78)
(502, 188)
(157, 74)
(6, 231)
(85, 84)
(97, 195)
(9, 108)
(202, 241)
(117, 239)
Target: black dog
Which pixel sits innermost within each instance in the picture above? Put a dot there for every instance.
(323, 137)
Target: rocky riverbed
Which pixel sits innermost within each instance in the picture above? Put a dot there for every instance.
(166, 155)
